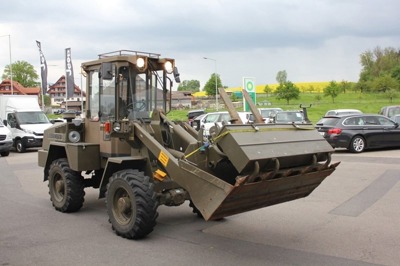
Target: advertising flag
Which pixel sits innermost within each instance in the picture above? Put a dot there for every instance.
(43, 68)
(69, 74)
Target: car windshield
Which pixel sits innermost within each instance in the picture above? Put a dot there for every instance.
(211, 118)
(289, 117)
(328, 121)
(32, 118)
(393, 111)
(267, 113)
(217, 117)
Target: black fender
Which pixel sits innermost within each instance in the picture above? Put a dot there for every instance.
(115, 164)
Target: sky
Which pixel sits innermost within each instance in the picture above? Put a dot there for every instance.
(312, 40)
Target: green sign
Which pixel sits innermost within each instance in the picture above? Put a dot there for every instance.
(248, 85)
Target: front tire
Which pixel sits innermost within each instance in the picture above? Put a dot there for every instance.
(19, 146)
(66, 187)
(131, 204)
(357, 144)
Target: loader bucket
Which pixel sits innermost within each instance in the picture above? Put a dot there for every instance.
(276, 163)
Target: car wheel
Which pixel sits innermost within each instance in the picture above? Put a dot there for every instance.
(357, 144)
(19, 146)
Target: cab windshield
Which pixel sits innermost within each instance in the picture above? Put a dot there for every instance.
(127, 95)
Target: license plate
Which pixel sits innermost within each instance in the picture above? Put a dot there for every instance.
(322, 133)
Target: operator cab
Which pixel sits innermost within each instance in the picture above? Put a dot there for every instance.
(128, 85)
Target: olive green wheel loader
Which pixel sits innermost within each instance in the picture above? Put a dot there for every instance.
(126, 147)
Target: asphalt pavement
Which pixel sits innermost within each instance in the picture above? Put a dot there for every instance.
(352, 218)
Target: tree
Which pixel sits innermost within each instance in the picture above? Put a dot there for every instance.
(281, 77)
(209, 88)
(345, 86)
(332, 90)
(391, 94)
(189, 85)
(23, 72)
(267, 90)
(385, 83)
(287, 91)
(380, 63)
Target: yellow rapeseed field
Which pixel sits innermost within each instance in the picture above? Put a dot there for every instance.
(303, 86)
(316, 87)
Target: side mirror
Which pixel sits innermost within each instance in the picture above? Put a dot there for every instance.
(396, 125)
(106, 71)
(5, 122)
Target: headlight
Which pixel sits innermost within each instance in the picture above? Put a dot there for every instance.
(168, 67)
(116, 127)
(140, 63)
(74, 136)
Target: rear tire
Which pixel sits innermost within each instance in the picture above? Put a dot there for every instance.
(19, 146)
(66, 187)
(357, 144)
(131, 204)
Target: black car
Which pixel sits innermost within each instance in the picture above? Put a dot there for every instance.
(359, 132)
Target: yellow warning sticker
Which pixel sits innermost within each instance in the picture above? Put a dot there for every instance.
(163, 158)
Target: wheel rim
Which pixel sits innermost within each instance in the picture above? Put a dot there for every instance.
(58, 188)
(19, 146)
(358, 144)
(123, 208)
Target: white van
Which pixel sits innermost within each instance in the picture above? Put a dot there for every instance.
(5, 140)
(24, 118)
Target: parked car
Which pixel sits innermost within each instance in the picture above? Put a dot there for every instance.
(6, 141)
(289, 117)
(211, 119)
(359, 132)
(396, 118)
(245, 117)
(340, 112)
(58, 111)
(192, 114)
(196, 123)
(267, 113)
(390, 111)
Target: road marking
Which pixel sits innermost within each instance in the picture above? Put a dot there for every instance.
(371, 194)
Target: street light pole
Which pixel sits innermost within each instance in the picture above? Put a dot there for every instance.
(9, 44)
(216, 82)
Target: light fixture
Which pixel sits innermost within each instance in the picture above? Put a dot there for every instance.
(140, 63)
(168, 67)
(74, 136)
(116, 127)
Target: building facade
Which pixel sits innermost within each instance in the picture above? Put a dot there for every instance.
(58, 93)
(17, 89)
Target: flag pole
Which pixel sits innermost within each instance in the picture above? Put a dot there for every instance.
(43, 73)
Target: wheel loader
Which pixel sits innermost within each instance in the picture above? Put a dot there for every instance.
(126, 147)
